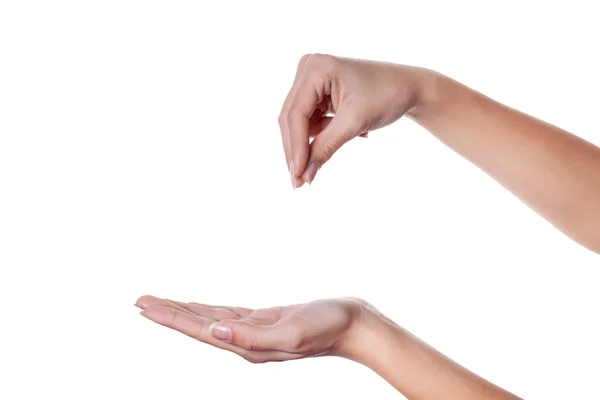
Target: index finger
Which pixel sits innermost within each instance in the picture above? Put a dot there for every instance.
(294, 120)
(199, 328)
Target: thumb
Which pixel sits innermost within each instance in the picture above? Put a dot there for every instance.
(247, 335)
(340, 130)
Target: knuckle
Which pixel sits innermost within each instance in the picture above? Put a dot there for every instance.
(318, 58)
(282, 119)
(252, 345)
(324, 62)
(318, 61)
(359, 300)
(287, 115)
(304, 59)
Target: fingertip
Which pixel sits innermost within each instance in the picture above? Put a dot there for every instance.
(296, 178)
(311, 172)
(144, 301)
(299, 182)
(292, 174)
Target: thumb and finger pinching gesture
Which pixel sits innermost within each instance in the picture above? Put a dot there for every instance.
(334, 100)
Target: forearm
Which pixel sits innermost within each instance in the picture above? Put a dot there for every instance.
(556, 173)
(415, 369)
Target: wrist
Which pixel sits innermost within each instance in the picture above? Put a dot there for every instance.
(432, 91)
(368, 334)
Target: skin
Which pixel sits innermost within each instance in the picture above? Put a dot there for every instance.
(343, 327)
(336, 99)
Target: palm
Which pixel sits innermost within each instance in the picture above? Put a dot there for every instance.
(271, 334)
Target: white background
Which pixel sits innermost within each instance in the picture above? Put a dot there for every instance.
(140, 153)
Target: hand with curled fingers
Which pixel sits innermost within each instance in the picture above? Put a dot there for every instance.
(334, 100)
(272, 334)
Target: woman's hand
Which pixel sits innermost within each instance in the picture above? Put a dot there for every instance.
(336, 99)
(271, 334)
(345, 327)
(556, 173)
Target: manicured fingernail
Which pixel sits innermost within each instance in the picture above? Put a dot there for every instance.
(311, 171)
(292, 174)
(221, 332)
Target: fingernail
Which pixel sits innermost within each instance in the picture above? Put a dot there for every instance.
(221, 332)
(311, 171)
(292, 174)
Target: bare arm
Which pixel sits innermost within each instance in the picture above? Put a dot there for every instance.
(413, 367)
(554, 172)
(344, 327)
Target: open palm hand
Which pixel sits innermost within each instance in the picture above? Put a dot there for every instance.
(262, 335)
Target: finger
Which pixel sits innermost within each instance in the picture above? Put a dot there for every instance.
(300, 73)
(294, 124)
(148, 301)
(266, 316)
(341, 129)
(194, 326)
(317, 124)
(215, 313)
(198, 328)
(252, 337)
(240, 311)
